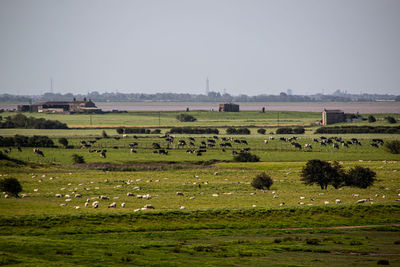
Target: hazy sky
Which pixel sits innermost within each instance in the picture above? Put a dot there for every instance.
(246, 47)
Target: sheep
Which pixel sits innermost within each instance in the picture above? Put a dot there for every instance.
(338, 201)
(179, 193)
(112, 205)
(361, 201)
(78, 195)
(148, 206)
(326, 202)
(86, 204)
(129, 194)
(123, 205)
(181, 207)
(58, 195)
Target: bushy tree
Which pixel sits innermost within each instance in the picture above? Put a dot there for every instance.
(246, 157)
(120, 130)
(322, 173)
(262, 181)
(261, 131)
(360, 177)
(393, 146)
(11, 186)
(63, 141)
(76, 159)
(185, 118)
(298, 130)
(371, 118)
(391, 119)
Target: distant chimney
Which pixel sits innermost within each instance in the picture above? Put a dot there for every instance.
(84, 99)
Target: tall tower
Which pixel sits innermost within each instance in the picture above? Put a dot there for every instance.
(207, 86)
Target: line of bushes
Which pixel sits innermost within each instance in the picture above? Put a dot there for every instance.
(137, 130)
(232, 130)
(358, 129)
(193, 130)
(26, 141)
(22, 121)
(288, 130)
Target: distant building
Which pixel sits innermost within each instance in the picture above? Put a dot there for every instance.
(332, 116)
(61, 107)
(228, 107)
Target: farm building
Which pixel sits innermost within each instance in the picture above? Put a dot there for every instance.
(61, 107)
(332, 116)
(228, 107)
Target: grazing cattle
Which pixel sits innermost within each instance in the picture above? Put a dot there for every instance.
(265, 141)
(211, 145)
(156, 146)
(345, 145)
(133, 150)
(374, 145)
(282, 139)
(103, 154)
(309, 146)
(296, 145)
(211, 141)
(191, 144)
(191, 138)
(116, 137)
(39, 152)
(271, 138)
(315, 140)
(203, 147)
(19, 149)
(236, 141)
(162, 151)
(335, 145)
(215, 137)
(133, 144)
(244, 142)
(224, 139)
(234, 152)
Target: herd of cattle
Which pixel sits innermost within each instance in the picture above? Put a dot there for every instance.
(200, 145)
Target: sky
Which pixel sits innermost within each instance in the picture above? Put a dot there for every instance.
(243, 46)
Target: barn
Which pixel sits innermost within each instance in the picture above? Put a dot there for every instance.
(332, 116)
(85, 106)
(228, 107)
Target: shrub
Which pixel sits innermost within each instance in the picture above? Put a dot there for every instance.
(298, 130)
(371, 118)
(11, 186)
(393, 146)
(193, 130)
(246, 157)
(22, 121)
(284, 130)
(390, 119)
(232, 130)
(360, 177)
(120, 130)
(382, 262)
(261, 131)
(322, 173)
(104, 134)
(76, 159)
(262, 181)
(185, 118)
(63, 141)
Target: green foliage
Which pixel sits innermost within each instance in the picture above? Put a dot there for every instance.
(21, 121)
(193, 130)
(11, 186)
(246, 157)
(120, 130)
(77, 159)
(284, 130)
(232, 130)
(358, 129)
(261, 131)
(393, 146)
(63, 141)
(185, 118)
(136, 130)
(360, 177)
(322, 173)
(298, 130)
(390, 119)
(262, 181)
(371, 118)
(25, 141)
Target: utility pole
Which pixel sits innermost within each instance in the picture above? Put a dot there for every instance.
(278, 118)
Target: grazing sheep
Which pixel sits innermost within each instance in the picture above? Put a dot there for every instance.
(123, 204)
(58, 195)
(282, 204)
(148, 206)
(179, 193)
(338, 201)
(326, 202)
(361, 201)
(129, 194)
(86, 204)
(181, 207)
(95, 203)
(78, 195)
(112, 205)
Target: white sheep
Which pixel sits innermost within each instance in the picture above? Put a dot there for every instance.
(123, 204)
(112, 205)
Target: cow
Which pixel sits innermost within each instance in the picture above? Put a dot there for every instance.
(39, 152)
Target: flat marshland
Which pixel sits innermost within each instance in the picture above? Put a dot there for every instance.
(205, 209)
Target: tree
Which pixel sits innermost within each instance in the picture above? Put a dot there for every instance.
(393, 146)
(11, 186)
(261, 131)
(246, 157)
(390, 119)
(185, 118)
(360, 177)
(262, 181)
(298, 130)
(76, 159)
(322, 173)
(63, 141)
(120, 130)
(371, 118)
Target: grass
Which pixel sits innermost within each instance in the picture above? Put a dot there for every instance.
(240, 226)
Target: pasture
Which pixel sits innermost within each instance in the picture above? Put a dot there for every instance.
(205, 210)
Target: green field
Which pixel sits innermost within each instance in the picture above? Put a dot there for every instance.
(218, 220)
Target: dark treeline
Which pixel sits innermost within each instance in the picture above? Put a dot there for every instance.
(210, 97)
(137, 130)
(25, 141)
(193, 130)
(358, 129)
(22, 121)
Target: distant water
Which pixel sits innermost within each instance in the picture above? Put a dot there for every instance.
(352, 107)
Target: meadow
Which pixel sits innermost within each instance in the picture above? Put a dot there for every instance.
(217, 218)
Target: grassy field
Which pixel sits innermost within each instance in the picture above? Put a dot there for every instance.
(220, 220)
